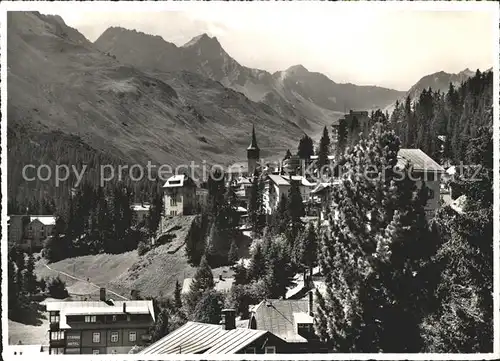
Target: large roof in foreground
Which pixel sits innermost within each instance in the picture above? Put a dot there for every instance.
(418, 160)
(196, 337)
(277, 317)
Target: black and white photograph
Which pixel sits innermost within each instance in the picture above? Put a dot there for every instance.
(299, 179)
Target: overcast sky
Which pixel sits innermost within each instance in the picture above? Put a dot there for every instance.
(391, 48)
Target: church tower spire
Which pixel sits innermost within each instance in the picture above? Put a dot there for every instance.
(253, 153)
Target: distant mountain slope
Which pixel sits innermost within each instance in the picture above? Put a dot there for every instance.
(309, 99)
(437, 81)
(58, 80)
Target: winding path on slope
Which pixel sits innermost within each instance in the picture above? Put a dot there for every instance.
(82, 280)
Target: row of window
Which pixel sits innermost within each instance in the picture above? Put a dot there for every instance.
(93, 318)
(268, 349)
(96, 336)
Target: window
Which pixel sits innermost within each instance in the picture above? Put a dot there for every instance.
(173, 213)
(90, 319)
(57, 335)
(57, 351)
(114, 318)
(128, 317)
(114, 336)
(173, 200)
(132, 336)
(250, 350)
(431, 193)
(270, 349)
(54, 318)
(95, 352)
(96, 337)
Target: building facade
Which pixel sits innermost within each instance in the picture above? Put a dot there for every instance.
(423, 170)
(179, 196)
(141, 211)
(99, 327)
(226, 338)
(30, 231)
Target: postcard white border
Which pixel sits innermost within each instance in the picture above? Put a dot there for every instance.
(138, 6)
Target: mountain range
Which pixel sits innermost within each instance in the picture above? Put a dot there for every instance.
(137, 97)
(436, 81)
(310, 99)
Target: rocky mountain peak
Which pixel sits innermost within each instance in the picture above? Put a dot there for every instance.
(203, 40)
(297, 69)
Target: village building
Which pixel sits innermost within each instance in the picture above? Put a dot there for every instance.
(141, 211)
(277, 186)
(204, 338)
(30, 232)
(179, 196)
(424, 170)
(201, 197)
(99, 327)
(290, 320)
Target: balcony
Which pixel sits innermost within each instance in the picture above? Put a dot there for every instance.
(57, 343)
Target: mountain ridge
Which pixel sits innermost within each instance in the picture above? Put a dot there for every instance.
(311, 110)
(58, 80)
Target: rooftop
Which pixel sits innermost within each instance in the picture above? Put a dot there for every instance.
(70, 308)
(178, 180)
(45, 220)
(221, 285)
(277, 317)
(419, 160)
(137, 207)
(278, 180)
(195, 337)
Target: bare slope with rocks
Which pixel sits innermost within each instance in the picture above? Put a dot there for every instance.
(59, 81)
(310, 99)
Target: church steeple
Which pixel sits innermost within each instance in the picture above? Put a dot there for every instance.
(253, 153)
(253, 145)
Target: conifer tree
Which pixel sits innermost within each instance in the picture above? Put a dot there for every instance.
(295, 212)
(233, 253)
(30, 283)
(13, 289)
(155, 211)
(209, 308)
(307, 248)
(341, 137)
(240, 274)
(257, 264)
(202, 281)
(178, 295)
(280, 219)
(324, 150)
(278, 270)
(216, 190)
(306, 147)
(462, 318)
(256, 204)
(377, 240)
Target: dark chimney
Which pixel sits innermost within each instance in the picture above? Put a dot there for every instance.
(124, 307)
(102, 294)
(311, 302)
(220, 278)
(229, 318)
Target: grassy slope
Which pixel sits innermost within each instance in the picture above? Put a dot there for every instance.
(153, 274)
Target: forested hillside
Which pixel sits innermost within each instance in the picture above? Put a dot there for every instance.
(457, 115)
